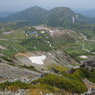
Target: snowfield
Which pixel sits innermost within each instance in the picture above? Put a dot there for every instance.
(38, 59)
(83, 57)
(51, 31)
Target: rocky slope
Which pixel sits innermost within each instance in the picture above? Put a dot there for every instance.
(39, 53)
(56, 57)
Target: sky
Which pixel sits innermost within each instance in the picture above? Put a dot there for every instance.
(18, 5)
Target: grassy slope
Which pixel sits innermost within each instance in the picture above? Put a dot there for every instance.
(18, 42)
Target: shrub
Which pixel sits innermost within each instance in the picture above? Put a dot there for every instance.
(13, 86)
(72, 85)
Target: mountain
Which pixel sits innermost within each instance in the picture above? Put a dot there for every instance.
(58, 16)
(89, 12)
(5, 14)
(34, 15)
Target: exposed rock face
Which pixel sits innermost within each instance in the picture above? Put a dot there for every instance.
(13, 69)
(10, 73)
(90, 92)
(19, 92)
(89, 64)
(54, 57)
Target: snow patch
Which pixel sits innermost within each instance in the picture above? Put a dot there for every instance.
(49, 43)
(38, 59)
(83, 56)
(51, 31)
(42, 32)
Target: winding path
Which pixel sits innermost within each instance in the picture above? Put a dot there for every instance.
(83, 46)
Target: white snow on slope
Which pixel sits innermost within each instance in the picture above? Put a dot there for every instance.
(51, 31)
(83, 56)
(38, 59)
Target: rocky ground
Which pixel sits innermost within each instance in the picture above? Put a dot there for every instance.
(57, 57)
(10, 73)
(19, 92)
(13, 69)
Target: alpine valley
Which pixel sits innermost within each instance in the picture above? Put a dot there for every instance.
(47, 52)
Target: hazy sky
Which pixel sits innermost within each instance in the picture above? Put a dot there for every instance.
(18, 5)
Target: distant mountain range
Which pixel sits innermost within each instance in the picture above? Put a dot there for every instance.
(5, 14)
(89, 12)
(58, 16)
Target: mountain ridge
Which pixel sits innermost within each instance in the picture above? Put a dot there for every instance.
(86, 12)
(5, 14)
(57, 16)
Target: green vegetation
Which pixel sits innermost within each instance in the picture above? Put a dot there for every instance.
(58, 68)
(36, 44)
(87, 29)
(71, 43)
(71, 82)
(89, 74)
(11, 48)
(13, 86)
(72, 85)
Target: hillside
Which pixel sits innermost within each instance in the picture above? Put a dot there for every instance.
(34, 15)
(36, 59)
